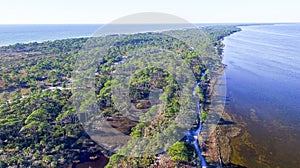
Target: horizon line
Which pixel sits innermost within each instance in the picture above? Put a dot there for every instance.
(149, 23)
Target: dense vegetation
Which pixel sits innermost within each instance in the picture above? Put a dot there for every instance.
(38, 123)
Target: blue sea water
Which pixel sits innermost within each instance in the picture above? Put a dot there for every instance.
(11, 34)
(263, 86)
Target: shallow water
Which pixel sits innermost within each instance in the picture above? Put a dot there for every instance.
(263, 86)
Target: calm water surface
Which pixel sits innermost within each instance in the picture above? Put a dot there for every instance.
(11, 34)
(263, 83)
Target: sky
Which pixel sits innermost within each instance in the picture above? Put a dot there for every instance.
(106, 11)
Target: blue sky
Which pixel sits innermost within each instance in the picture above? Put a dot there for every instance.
(105, 11)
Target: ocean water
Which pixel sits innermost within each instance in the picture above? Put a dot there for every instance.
(263, 86)
(11, 34)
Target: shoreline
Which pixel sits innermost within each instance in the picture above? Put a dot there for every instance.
(218, 143)
(226, 132)
(219, 150)
(265, 124)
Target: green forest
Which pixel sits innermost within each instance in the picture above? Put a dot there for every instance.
(40, 126)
